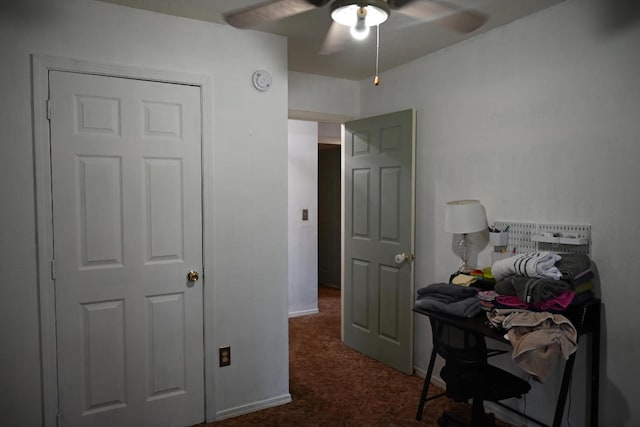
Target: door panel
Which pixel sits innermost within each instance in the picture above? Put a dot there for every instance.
(361, 207)
(126, 178)
(103, 351)
(166, 345)
(390, 209)
(163, 210)
(360, 294)
(390, 286)
(379, 224)
(100, 205)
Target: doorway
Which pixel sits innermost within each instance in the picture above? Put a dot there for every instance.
(329, 222)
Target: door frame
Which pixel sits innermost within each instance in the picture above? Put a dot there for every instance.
(40, 66)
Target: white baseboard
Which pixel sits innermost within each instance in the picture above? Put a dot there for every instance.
(253, 407)
(303, 313)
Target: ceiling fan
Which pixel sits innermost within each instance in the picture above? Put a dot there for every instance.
(357, 16)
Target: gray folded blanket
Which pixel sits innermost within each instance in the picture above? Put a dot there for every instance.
(572, 266)
(447, 289)
(531, 290)
(468, 307)
(450, 299)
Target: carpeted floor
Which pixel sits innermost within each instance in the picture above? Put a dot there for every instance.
(333, 385)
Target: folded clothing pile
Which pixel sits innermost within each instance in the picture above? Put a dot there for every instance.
(451, 299)
(541, 280)
(536, 264)
(575, 268)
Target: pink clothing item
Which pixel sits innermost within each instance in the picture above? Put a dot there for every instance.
(559, 303)
(512, 301)
(487, 295)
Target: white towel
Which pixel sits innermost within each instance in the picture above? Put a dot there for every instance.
(534, 264)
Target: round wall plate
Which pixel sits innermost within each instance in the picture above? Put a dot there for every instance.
(261, 80)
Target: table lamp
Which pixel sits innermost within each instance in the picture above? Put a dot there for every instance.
(464, 217)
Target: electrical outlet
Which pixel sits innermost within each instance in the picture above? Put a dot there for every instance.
(224, 356)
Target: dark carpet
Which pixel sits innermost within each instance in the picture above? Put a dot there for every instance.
(334, 385)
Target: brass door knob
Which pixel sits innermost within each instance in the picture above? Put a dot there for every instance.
(402, 258)
(193, 276)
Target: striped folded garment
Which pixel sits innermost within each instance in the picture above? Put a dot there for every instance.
(532, 264)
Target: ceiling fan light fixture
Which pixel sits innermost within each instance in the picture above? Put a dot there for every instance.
(348, 12)
(359, 31)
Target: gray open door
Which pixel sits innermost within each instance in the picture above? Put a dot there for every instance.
(379, 206)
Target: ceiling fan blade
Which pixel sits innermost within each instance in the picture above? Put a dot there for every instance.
(334, 41)
(445, 15)
(269, 11)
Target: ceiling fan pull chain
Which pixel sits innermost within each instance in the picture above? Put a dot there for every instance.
(376, 80)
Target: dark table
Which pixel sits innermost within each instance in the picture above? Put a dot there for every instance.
(585, 318)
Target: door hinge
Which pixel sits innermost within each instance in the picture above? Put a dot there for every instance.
(53, 269)
(59, 420)
(48, 109)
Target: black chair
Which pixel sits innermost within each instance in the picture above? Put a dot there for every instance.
(468, 375)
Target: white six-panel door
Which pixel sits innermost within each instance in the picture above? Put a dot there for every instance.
(126, 178)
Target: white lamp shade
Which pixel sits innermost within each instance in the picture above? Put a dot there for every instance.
(464, 216)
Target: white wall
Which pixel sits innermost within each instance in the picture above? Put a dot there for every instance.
(303, 235)
(246, 273)
(329, 133)
(539, 120)
(322, 99)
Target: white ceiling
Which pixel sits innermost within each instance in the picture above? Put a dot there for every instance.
(402, 38)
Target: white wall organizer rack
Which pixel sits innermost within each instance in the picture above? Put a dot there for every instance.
(532, 237)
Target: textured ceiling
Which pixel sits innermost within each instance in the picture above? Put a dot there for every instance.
(402, 38)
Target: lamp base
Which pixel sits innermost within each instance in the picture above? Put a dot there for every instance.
(464, 247)
(464, 268)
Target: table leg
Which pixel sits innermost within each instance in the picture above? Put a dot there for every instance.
(595, 369)
(564, 390)
(425, 387)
